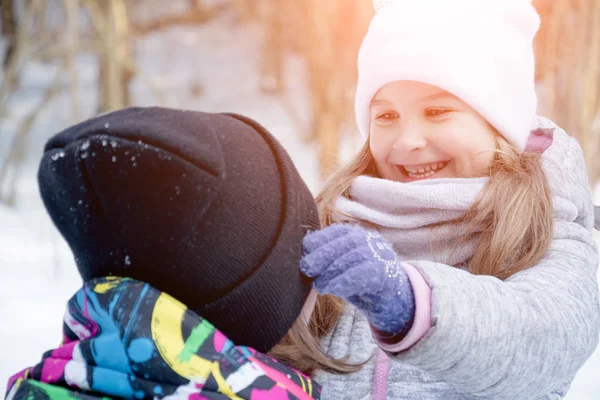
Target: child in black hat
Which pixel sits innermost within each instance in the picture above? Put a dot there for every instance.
(207, 208)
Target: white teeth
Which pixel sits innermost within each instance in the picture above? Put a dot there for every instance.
(425, 172)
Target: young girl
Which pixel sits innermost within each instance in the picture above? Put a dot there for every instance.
(187, 231)
(467, 255)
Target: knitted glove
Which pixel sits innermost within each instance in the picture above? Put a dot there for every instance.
(361, 267)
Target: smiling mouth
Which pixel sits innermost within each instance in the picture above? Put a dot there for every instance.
(422, 171)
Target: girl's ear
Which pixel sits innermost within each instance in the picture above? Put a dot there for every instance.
(597, 217)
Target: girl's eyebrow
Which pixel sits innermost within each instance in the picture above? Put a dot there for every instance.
(438, 95)
(435, 96)
(378, 102)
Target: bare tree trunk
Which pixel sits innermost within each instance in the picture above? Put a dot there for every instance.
(577, 58)
(114, 77)
(326, 88)
(568, 63)
(590, 107)
(271, 79)
(246, 9)
(21, 41)
(197, 13)
(9, 30)
(72, 8)
(10, 165)
(551, 51)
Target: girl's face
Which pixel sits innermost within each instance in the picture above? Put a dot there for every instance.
(419, 131)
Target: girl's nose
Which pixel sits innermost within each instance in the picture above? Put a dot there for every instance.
(410, 139)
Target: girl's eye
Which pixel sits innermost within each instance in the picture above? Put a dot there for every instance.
(436, 112)
(387, 116)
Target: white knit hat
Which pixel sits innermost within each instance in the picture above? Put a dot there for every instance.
(479, 50)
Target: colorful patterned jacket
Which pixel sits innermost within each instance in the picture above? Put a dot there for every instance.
(124, 339)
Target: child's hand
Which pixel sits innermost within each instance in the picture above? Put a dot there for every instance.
(361, 267)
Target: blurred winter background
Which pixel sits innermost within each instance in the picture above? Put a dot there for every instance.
(290, 64)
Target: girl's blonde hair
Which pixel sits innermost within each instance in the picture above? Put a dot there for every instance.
(300, 348)
(514, 208)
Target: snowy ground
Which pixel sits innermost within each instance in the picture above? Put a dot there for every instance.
(37, 274)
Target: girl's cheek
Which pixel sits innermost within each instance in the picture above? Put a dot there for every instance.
(485, 162)
(475, 164)
(374, 139)
(378, 147)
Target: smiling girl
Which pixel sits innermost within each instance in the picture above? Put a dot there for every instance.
(460, 236)
(418, 131)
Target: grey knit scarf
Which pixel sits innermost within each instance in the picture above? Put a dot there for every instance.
(404, 213)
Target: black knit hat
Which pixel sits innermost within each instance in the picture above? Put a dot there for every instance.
(206, 207)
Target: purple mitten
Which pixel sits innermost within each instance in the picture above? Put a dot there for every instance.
(361, 267)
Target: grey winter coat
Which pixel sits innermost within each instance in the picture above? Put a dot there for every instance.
(522, 338)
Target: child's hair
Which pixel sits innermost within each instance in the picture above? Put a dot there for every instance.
(514, 208)
(301, 349)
